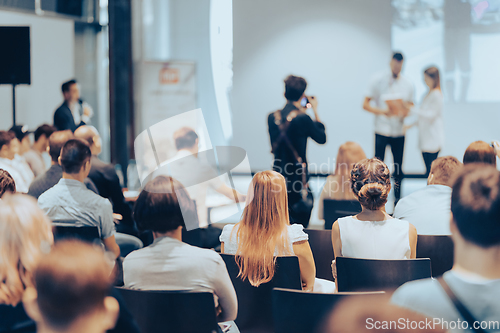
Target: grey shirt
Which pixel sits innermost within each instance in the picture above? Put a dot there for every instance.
(169, 264)
(481, 297)
(69, 201)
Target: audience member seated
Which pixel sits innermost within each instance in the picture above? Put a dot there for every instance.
(429, 208)
(106, 180)
(37, 156)
(188, 169)
(21, 144)
(264, 231)
(475, 276)
(48, 179)
(480, 152)
(8, 148)
(7, 184)
(69, 201)
(338, 185)
(71, 289)
(372, 234)
(168, 263)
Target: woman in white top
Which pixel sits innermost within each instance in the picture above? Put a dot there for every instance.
(264, 232)
(430, 119)
(373, 234)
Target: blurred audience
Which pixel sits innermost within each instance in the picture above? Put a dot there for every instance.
(264, 231)
(37, 156)
(7, 184)
(480, 152)
(50, 178)
(475, 276)
(69, 201)
(429, 208)
(104, 176)
(70, 292)
(372, 234)
(9, 145)
(168, 263)
(338, 185)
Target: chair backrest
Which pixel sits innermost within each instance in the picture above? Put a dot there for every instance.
(297, 311)
(171, 311)
(335, 209)
(255, 303)
(437, 248)
(84, 233)
(322, 250)
(355, 274)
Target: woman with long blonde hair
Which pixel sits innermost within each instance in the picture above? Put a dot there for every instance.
(338, 185)
(264, 232)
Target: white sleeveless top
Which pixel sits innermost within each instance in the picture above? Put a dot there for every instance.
(388, 239)
(228, 237)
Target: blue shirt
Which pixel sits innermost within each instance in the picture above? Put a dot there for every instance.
(69, 201)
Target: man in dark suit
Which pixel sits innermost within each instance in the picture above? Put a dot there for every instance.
(72, 113)
(106, 180)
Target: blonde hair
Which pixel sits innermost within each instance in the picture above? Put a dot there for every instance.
(24, 232)
(262, 232)
(349, 154)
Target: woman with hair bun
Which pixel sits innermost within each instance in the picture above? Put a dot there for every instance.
(373, 234)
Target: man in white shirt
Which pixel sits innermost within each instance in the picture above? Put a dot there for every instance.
(429, 208)
(392, 97)
(37, 157)
(475, 276)
(8, 162)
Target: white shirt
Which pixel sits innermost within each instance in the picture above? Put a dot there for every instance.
(196, 177)
(388, 239)
(22, 174)
(430, 122)
(384, 87)
(428, 209)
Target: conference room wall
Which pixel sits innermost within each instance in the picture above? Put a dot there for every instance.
(52, 62)
(336, 45)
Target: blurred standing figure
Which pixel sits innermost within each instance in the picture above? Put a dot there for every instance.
(72, 113)
(38, 157)
(289, 130)
(430, 119)
(390, 87)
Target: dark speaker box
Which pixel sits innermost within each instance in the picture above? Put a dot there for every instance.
(15, 62)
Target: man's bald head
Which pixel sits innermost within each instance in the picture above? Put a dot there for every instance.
(91, 136)
(57, 141)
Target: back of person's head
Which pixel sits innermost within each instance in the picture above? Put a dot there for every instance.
(44, 131)
(443, 170)
(480, 152)
(349, 154)
(5, 138)
(67, 85)
(57, 141)
(294, 87)
(74, 154)
(475, 204)
(263, 227)
(185, 138)
(72, 284)
(433, 73)
(371, 183)
(7, 183)
(398, 56)
(162, 205)
(25, 232)
(20, 132)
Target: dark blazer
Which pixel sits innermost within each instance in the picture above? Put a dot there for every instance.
(64, 120)
(104, 176)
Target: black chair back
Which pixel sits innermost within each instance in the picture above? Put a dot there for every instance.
(437, 248)
(335, 209)
(171, 311)
(255, 303)
(322, 250)
(297, 311)
(355, 274)
(88, 234)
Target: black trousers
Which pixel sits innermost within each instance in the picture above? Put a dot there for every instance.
(428, 159)
(397, 148)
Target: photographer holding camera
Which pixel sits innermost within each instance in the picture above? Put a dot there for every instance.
(289, 130)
